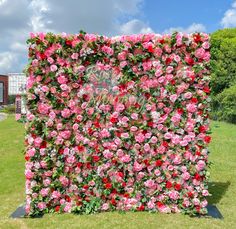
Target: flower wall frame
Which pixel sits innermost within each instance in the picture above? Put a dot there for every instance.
(117, 123)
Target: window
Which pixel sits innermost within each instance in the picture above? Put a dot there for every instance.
(1, 92)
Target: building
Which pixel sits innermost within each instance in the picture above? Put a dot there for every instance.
(3, 89)
(17, 83)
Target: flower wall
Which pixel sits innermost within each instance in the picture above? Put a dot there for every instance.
(117, 123)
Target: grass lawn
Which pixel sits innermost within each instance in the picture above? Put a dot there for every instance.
(223, 189)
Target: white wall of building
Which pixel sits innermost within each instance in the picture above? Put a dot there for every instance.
(16, 83)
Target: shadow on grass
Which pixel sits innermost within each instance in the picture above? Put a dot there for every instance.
(217, 190)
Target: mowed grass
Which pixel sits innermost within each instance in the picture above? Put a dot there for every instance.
(223, 189)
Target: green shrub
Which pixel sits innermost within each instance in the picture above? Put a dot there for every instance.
(224, 105)
(10, 109)
(11, 99)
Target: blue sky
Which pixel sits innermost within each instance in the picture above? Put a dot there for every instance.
(162, 15)
(108, 17)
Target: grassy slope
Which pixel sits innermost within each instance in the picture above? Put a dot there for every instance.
(223, 188)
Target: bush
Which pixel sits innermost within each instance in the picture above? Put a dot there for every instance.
(10, 109)
(11, 99)
(224, 105)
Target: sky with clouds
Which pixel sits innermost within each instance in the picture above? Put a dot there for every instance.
(108, 17)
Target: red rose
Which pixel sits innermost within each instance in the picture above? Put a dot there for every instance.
(120, 174)
(150, 49)
(180, 110)
(194, 100)
(178, 187)
(202, 129)
(190, 194)
(168, 184)
(67, 198)
(68, 42)
(173, 82)
(79, 164)
(197, 38)
(105, 180)
(96, 158)
(206, 90)
(150, 124)
(57, 208)
(88, 165)
(113, 120)
(27, 157)
(159, 204)
(43, 145)
(126, 195)
(108, 185)
(207, 139)
(81, 148)
(85, 186)
(61, 151)
(165, 144)
(141, 208)
(113, 201)
(159, 163)
(189, 60)
(97, 124)
(197, 177)
(146, 162)
(168, 60)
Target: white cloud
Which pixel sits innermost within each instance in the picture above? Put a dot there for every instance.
(195, 27)
(7, 61)
(229, 19)
(20, 17)
(135, 26)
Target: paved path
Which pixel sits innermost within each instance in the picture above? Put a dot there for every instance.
(2, 116)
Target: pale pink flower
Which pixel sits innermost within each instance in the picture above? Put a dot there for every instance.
(137, 167)
(140, 138)
(53, 68)
(42, 205)
(174, 195)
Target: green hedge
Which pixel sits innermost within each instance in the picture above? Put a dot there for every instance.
(224, 105)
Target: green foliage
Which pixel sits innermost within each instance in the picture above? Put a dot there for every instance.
(223, 60)
(9, 109)
(223, 75)
(11, 99)
(224, 105)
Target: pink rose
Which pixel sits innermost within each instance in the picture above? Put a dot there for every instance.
(29, 174)
(43, 108)
(53, 68)
(137, 167)
(107, 154)
(56, 195)
(44, 192)
(74, 56)
(191, 107)
(126, 158)
(134, 116)
(125, 135)
(41, 205)
(186, 176)
(200, 165)
(65, 113)
(140, 138)
(150, 184)
(64, 180)
(62, 79)
(146, 147)
(199, 53)
(173, 98)
(174, 195)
